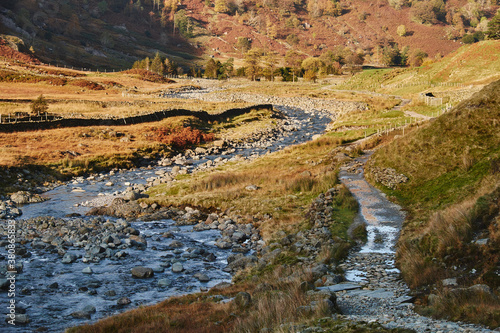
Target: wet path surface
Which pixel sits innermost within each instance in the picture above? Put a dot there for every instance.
(375, 290)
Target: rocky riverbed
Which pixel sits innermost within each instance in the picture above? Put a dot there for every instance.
(72, 268)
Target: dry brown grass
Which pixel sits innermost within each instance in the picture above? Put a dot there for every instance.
(270, 309)
(123, 94)
(51, 146)
(287, 183)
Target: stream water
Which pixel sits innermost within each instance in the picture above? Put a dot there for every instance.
(50, 291)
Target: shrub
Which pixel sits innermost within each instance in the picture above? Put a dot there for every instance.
(429, 12)
(182, 137)
(398, 4)
(39, 106)
(292, 39)
(468, 39)
(401, 30)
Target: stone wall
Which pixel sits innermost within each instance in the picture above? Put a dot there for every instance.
(151, 117)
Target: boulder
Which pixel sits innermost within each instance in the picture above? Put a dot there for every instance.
(202, 277)
(163, 283)
(142, 272)
(242, 263)
(69, 258)
(20, 319)
(87, 270)
(81, 314)
(24, 197)
(177, 267)
(123, 301)
(242, 300)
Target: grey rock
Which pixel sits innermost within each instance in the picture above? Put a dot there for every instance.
(251, 188)
(202, 277)
(177, 267)
(69, 258)
(451, 282)
(142, 272)
(19, 319)
(123, 301)
(176, 244)
(87, 270)
(163, 283)
(89, 309)
(306, 285)
(81, 314)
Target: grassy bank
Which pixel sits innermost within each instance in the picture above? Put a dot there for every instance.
(287, 182)
(452, 198)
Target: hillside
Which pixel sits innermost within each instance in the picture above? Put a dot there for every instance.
(113, 34)
(450, 240)
(475, 64)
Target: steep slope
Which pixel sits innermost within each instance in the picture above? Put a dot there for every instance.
(115, 33)
(450, 239)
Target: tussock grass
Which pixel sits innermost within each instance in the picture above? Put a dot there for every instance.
(461, 305)
(279, 305)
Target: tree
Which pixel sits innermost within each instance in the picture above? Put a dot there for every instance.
(243, 44)
(494, 27)
(102, 7)
(310, 75)
(417, 57)
(39, 106)
(401, 30)
(170, 67)
(391, 56)
(293, 60)
(312, 65)
(270, 61)
(183, 23)
(252, 61)
(157, 64)
(227, 69)
(221, 6)
(211, 69)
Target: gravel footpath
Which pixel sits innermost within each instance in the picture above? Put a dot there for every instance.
(376, 292)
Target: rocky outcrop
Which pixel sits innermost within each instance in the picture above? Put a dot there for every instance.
(8, 210)
(25, 197)
(388, 177)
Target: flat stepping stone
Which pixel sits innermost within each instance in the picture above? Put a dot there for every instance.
(341, 287)
(378, 293)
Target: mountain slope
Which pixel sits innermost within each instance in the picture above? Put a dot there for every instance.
(115, 33)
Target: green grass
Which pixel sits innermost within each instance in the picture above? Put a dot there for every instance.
(478, 63)
(345, 209)
(452, 163)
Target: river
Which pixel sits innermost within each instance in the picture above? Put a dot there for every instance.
(50, 291)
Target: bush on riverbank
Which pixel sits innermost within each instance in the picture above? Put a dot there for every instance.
(182, 137)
